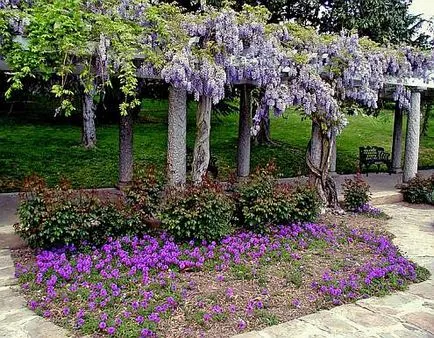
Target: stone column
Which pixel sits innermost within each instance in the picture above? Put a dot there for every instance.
(177, 137)
(332, 169)
(412, 139)
(397, 140)
(244, 138)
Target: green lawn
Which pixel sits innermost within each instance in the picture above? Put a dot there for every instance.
(28, 145)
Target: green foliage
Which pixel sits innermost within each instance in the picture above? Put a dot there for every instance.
(419, 190)
(59, 216)
(145, 194)
(356, 193)
(306, 204)
(262, 202)
(200, 212)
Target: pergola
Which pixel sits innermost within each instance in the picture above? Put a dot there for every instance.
(411, 153)
(419, 89)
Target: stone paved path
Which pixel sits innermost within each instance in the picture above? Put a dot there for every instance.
(402, 314)
(16, 321)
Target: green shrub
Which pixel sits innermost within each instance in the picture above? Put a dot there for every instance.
(145, 194)
(201, 212)
(356, 193)
(59, 216)
(419, 190)
(261, 202)
(306, 204)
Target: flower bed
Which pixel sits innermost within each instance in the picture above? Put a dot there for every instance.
(152, 286)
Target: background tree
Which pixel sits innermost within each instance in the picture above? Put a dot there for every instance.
(381, 20)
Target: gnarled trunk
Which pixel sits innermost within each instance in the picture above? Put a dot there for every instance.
(264, 135)
(318, 161)
(177, 137)
(244, 137)
(125, 150)
(201, 154)
(88, 137)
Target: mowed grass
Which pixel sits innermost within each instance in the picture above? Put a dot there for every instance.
(52, 149)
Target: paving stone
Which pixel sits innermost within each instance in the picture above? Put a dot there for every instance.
(423, 320)
(364, 317)
(251, 334)
(15, 317)
(392, 305)
(297, 328)
(331, 323)
(41, 328)
(10, 300)
(12, 332)
(425, 289)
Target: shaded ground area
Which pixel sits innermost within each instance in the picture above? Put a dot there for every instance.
(51, 147)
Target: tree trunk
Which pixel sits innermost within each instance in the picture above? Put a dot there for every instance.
(244, 137)
(318, 160)
(125, 150)
(426, 117)
(88, 137)
(201, 155)
(264, 135)
(177, 137)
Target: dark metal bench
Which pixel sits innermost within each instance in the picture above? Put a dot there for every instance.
(373, 155)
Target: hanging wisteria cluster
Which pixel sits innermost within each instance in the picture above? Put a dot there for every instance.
(205, 52)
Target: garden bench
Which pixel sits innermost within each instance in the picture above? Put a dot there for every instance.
(372, 155)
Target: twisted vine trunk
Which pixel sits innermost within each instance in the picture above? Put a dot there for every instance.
(264, 135)
(88, 137)
(177, 137)
(318, 161)
(201, 154)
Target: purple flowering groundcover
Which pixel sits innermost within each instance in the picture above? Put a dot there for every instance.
(152, 286)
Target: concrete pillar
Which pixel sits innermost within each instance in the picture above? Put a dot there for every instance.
(244, 137)
(412, 139)
(332, 169)
(397, 140)
(177, 137)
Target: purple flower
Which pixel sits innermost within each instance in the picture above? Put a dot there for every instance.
(207, 317)
(241, 324)
(154, 317)
(296, 303)
(217, 309)
(111, 330)
(65, 311)
(102, 325)
(147, 333)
